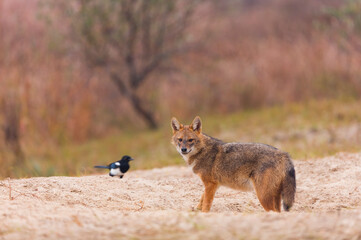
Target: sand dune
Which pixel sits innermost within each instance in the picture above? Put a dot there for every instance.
(157, 204)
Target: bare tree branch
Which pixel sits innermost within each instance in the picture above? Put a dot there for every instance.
(133, 38)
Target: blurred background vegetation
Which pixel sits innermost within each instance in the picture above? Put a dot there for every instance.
(84, 82)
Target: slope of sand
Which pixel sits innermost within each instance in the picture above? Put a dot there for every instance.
(157, 204)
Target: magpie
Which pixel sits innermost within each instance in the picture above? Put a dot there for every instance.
(118, 168)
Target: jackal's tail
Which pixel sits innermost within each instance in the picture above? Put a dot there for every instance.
(289, 187)
(107, 167)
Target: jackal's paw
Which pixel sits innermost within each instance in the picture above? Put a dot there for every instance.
(196, 209)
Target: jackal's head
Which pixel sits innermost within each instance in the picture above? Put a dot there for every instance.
(187, 138)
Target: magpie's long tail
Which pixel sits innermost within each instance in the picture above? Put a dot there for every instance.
(102, 167)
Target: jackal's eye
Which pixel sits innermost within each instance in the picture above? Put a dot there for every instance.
(190, 140)
(180, 140)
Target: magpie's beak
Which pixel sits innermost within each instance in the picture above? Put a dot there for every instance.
(131, 159)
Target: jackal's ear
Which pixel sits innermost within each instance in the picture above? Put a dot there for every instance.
(197, 124)
(176, 126)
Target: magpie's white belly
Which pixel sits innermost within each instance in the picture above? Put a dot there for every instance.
(116, 172)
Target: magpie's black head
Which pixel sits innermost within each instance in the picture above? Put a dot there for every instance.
(127, 158)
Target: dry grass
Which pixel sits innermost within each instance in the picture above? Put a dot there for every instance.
(313, 129)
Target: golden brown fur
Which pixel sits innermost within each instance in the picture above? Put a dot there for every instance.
(242, 166)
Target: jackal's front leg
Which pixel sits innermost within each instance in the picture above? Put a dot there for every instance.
(210, 190)
(199, 206)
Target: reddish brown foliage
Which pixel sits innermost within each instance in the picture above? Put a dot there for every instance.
(247, 55)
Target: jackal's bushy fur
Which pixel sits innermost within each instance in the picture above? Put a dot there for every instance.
(242, 166)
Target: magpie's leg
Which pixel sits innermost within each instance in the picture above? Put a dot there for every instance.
(121, 176)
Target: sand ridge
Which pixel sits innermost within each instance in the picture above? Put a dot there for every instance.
(157, 204)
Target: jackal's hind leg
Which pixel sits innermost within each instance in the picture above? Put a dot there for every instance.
(268, 189)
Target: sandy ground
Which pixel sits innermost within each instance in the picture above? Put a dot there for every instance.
(157, 204)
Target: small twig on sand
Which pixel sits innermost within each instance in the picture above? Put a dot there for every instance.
(19, 193)
(95, 215)
(140, 205)
(10, 197)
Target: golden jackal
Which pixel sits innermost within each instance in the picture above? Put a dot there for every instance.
(236, 165)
